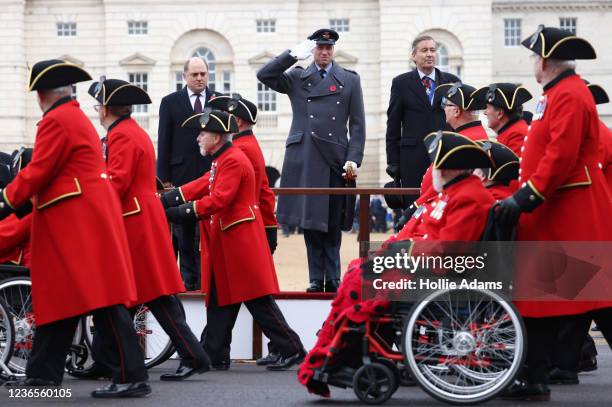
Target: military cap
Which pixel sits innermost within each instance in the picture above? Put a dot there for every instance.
(115, 92)
(214, 121)
(599, 93)
(460, 95)
(236, 105)
(324, 36)
(19, 159)
(505, 95)
(55, 73)
(505, 162)
(451, 151)
(555, 43)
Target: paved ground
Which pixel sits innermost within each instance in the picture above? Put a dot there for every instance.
(249, 385)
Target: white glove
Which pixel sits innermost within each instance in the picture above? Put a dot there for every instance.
(303, 50)
(350, 169)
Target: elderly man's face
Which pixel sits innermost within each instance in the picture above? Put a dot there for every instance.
(494, 116)
(323, 54)
(208, 142)
(424, 55)
(196, 76)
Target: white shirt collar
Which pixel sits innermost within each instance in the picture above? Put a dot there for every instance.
(327, 69)
(431, 76)
(192, 93)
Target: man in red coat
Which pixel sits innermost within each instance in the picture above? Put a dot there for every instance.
(559, 172)
(605, 134)
(236, 262)
(504, 112)
(80, 262)
(130, 161)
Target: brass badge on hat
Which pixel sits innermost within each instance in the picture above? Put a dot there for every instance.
(535, 36)
(435, 142)
(205, 118)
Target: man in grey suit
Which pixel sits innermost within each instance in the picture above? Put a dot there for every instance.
(321, 150)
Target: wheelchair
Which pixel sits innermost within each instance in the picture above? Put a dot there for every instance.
(461, 347)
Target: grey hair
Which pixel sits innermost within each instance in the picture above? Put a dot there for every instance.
(420, 38)
(561, 64)
(62, 90)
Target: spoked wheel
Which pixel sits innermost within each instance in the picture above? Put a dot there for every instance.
(392, 367)
(464, 346)
(374, 383)
(7, 336)
(153, 340)
(17, 296)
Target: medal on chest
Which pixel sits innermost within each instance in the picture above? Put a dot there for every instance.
(419, 212)
(438, 211)
(105, 149)
(540, 108)
(213, 171)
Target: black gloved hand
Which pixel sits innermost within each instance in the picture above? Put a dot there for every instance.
(182, 214)
(172, 198)
(508, 212)
(5, 208)
(271, 234)
(393, 170)
(406, 215)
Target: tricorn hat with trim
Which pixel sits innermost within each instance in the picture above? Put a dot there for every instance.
(115, 92)
(599, 93)
(505, 162)
(452, 151)
(459, 94)
(555, 43)
(214, 121)
(324, 36)
(505, 95)
(236, 105)
(55, 73)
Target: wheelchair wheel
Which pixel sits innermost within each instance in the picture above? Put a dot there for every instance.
(392, 367)
(464, 346)
(374, 383)
(17, 295)
(7, 335)
(153, 340)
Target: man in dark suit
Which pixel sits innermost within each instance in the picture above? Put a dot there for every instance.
(414, 111)
(178, 156)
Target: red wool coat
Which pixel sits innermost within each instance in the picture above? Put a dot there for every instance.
(131, 170)
(79, 252)
(513, 134)
(500, 192)
(15, 240)
(234, 246)
(605, 152)
(247, 142)
(473, 131)
(560, 164)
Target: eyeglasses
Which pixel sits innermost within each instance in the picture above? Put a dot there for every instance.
(97, 107)
(446, 103)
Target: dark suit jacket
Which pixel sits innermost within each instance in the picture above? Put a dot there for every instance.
(178, 155)
(410, 118)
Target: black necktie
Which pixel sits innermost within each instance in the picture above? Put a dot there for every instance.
(323, 73)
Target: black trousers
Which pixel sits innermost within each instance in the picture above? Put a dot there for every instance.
(117, 345)
(217, 334)
(188, 241)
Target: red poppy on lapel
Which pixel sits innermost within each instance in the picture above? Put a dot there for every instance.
(332, 88)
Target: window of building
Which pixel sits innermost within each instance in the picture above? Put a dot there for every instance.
(227, 81)
(209, 57)
(66, 29)
(138, 27)
(512, 32)
(266, 98)
(266, 25)
(140, 79)
(339, 24)
(568, 23)
(442, 57)
(179, 83)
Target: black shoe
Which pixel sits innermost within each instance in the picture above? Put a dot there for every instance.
(92, 373)
(588, 365)
(285, 363)
(559, 376)
(331, 286)
(270, 359)
(523, 391)
(182, 373)
(316, 286)
(116, 390)
(32, 382)
(222, 365)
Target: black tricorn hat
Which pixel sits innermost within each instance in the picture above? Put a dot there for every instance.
(215, 121)
(55, 73)
(555, 43)
(19, 159)
(394, 201)
(452, 151)
(505, 95)
(5, 172)
(236, 105)
(527, 116)
(324, 36)
(115, 92)
(459, 94)
(599, 93)
(505, 162)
